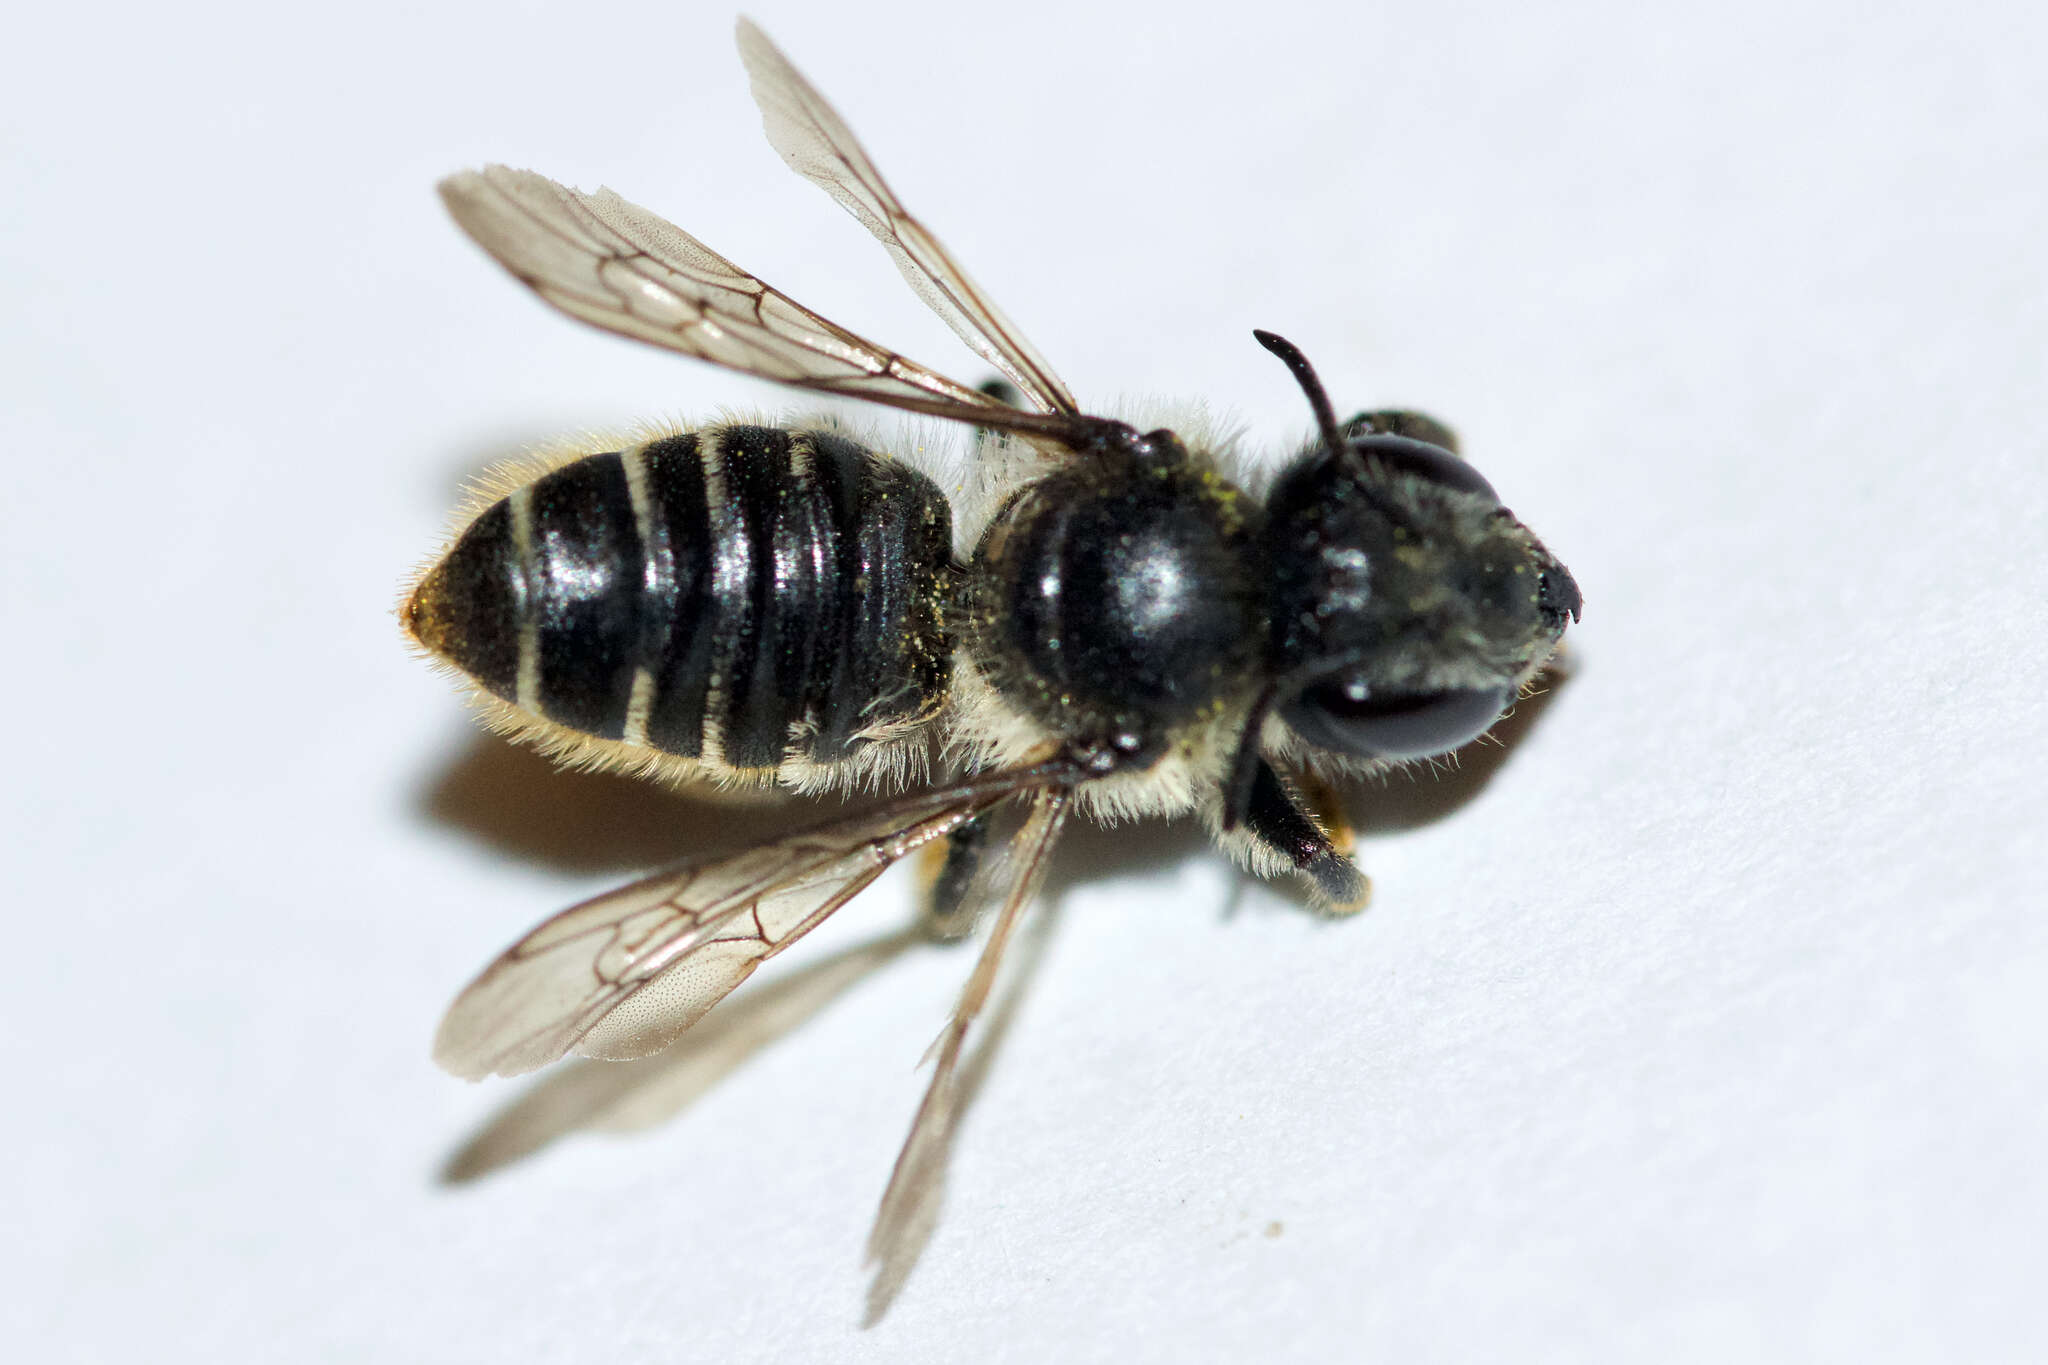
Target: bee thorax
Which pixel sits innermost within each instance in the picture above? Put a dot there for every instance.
(1118, 606)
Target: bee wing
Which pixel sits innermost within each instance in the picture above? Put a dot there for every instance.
(819, 146)
(618, 267)
(910, 1203)
(623, 974)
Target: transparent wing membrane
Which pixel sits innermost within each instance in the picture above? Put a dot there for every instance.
(819, 146)
(615, 265)
(910, 1203)
(623, 974)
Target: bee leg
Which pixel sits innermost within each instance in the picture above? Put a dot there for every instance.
(952, 869)
(1275, 819)
(1327, 808)
(1397, 422)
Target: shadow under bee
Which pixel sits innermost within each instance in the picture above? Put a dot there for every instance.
(515, 800)
(626, 1097)
(519, 801)
(1425, 793)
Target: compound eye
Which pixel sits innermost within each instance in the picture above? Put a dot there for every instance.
(1344, 714)
(1424, 461)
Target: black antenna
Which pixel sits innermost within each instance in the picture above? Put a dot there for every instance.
(1305, 375)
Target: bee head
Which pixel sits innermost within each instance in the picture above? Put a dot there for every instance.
(1405, 605)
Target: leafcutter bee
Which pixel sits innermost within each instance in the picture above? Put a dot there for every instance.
(1128, 631)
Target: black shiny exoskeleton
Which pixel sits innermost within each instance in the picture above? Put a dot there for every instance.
(743, 596)
(762, 600)
(1116, 600)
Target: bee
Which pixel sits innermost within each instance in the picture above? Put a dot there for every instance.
(1131, 633)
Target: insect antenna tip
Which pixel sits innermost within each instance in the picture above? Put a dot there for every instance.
(1311, 387)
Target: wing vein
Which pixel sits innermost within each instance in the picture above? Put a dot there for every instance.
(810, 136)
(909, 1205)
(623, 974)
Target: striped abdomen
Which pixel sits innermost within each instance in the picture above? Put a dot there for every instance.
(739, 595)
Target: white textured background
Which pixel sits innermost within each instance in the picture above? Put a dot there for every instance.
(1705, 1022)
